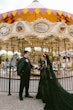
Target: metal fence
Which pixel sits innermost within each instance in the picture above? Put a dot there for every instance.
(9, 81)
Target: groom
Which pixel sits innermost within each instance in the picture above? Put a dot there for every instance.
(25, 75)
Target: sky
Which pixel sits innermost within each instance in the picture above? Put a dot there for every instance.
(10, 5)
(63, 5)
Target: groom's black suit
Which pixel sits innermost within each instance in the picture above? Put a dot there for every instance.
(25, 76)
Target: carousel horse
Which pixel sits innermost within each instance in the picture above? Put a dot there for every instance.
(13, 62)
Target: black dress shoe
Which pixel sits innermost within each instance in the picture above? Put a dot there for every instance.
(21, 98)
(28, 96)
(38, 97)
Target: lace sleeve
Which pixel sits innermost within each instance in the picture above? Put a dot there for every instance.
(48, 67)
(43, 65)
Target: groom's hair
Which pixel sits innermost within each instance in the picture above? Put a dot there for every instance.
(25, 52)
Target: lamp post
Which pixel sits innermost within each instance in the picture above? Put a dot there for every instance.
(10, 66)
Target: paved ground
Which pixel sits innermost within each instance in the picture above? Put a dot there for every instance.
(13, 103)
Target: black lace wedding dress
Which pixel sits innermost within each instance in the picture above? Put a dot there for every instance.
(42, 82)
(51, 92)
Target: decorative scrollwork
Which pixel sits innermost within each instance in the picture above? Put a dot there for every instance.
(71, 31)
(41, 27)
(4, 30)
(20, 27)
(62, 28)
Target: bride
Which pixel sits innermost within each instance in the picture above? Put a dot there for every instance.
(49, 89)
(42, 89)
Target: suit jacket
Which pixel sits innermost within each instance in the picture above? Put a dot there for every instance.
(26, 66)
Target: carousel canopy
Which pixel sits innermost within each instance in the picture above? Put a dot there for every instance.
(35, 26)
(35, 4)
(33, 11)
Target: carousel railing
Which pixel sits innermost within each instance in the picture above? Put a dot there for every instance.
(9, 81)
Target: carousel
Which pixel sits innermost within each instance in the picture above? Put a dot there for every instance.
(39, 30)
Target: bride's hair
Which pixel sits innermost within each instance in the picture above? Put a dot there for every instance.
(45, 56)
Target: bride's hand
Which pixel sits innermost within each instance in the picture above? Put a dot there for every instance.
(37, 68)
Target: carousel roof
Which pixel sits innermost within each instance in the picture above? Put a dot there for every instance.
(35, 4)
(34, 11)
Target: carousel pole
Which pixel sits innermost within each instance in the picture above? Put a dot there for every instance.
(58, 55)
(22, 46)
(22, 43)
(7, 50)
(32, 54)
(58, 48)
(52, 50)
(18, 45)
(7, 60)
(72, 57)
(12, 45)
(0, 58)
(65, 52)
(65, 48)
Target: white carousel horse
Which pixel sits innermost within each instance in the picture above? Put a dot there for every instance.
(13, 62)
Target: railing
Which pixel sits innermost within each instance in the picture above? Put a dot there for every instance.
(9, 81)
